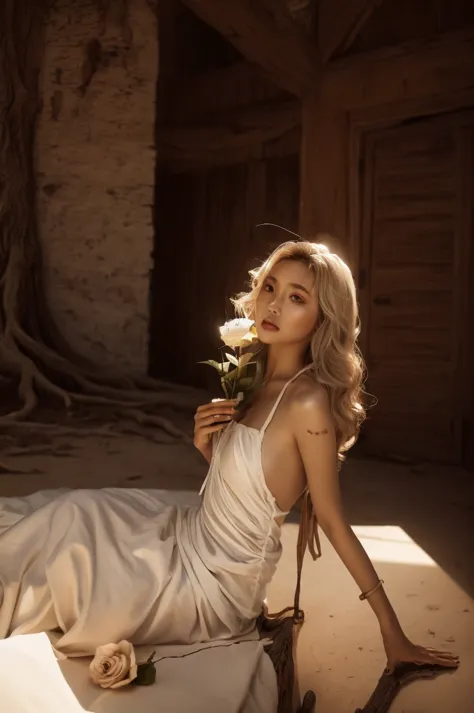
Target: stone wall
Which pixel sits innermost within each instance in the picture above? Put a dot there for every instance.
(95, 167)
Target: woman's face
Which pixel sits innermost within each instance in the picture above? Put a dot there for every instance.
(286, 310)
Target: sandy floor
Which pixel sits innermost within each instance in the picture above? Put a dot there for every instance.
(416, 524)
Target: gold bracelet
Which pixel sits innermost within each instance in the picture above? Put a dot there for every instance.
(365, 595)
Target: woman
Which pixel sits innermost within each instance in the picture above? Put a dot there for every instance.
(308, 410)
(111, 564)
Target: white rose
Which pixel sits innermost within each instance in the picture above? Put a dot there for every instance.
(114, 665)
(238, 333)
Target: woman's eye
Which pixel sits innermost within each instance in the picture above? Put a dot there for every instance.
(298, 299)
(268, 288)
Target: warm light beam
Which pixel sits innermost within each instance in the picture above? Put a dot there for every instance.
(389, 543)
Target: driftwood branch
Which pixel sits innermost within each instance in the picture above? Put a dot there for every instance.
(389, 685)
(309, 703)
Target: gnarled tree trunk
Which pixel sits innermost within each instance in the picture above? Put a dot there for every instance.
(33, 354)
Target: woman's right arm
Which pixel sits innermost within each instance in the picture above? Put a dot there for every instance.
(209, 419)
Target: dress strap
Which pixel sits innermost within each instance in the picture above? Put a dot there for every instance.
(280, 396)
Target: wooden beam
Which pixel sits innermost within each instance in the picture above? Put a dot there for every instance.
(283, 146)
(339, 23)
(214, 92)
(412, 70)
(204, 143)
(266, 35)
(324, 183)
(380, 116)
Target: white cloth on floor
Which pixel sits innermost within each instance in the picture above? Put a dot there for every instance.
(222, 676)
(31, 680)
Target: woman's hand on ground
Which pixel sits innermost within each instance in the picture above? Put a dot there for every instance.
(400, 649)
(209, 419)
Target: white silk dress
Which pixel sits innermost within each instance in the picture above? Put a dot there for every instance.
(99, 566)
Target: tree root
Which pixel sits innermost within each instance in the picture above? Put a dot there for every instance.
(134, 429)
(45, 449)
(143, 390)
(146, 419)
(126, 403)
(54, 429)
(9, 470)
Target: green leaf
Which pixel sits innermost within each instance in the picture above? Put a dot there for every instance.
(240, 374)
(244, 384)
(233, 360)
(211, 362)
(221, 368)
(246, 359)
(146, 674)
(231, 376)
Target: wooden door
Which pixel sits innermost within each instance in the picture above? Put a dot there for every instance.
(416, 287)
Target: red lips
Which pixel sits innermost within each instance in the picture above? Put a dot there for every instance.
(266, 324)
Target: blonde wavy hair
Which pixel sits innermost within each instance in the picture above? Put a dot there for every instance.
(337, 362)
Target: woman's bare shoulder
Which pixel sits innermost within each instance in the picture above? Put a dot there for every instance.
(307, 396)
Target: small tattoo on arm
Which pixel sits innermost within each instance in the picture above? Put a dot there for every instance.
(318, 433)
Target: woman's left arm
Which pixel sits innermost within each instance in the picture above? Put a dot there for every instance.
(315, 436)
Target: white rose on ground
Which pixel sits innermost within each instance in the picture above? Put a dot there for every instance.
(114, 665)
(238, 333)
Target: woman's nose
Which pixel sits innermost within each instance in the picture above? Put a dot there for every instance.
(274, 309)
